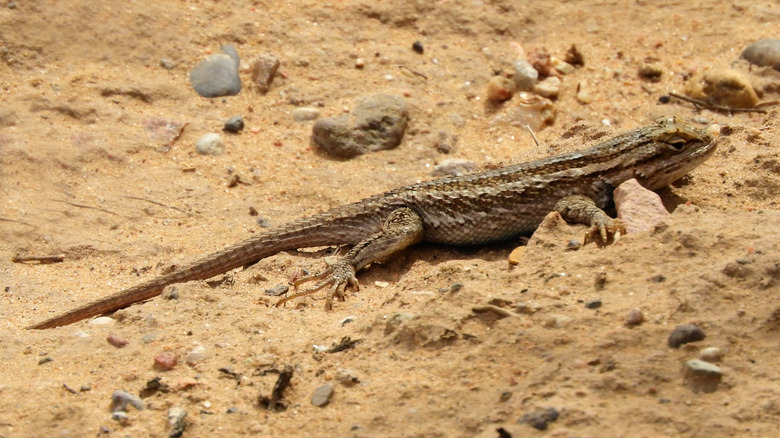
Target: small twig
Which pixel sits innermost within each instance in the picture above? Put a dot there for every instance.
(88, 207)
(723, 108)
(414, 72)
(43, 260)
(528, 127)
(16, 221)
(137, 198)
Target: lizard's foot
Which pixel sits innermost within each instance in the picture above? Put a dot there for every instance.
(337, 275)
(604, 227)
(583, 210)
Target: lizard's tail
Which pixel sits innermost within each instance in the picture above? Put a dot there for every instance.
(319, 230)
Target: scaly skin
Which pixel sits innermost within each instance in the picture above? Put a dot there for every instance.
(459, 210)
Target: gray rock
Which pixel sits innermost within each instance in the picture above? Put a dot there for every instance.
(167, 64)
(176, 418)
(304, 114)
(322, 395)
(278, 290)
(234, 124)
(263, 71)
(685, 333)
(210, 144)
(525, 75)
(217, 75)
(377, 123)
(764, 52)
(702, 376)
(540, 420)
(120, 400)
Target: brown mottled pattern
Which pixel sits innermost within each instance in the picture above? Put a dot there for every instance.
(459, 210)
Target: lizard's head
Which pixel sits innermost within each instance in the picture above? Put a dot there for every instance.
(677, 148)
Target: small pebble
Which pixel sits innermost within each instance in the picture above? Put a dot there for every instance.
(346, 377)
(764, 52)
(217, 75)
(651, 71)
(176, 418)
(360, 63)
(574, 57)
(119, 416)
(263, 71)
(116, 341)
(550, 87)
(500, 89)
(453, 166)
(103, 320)
(234, 124)
(210, 144)
(583, 94)
(525, 76)
(573, 244)
(322, 395)
(526, 109)
(527, 309)
(702, 376)
(593, 304)
(635, 317)
(186, 383)
(148, 338)
(305, 113)
(685, 333)
(540, 420)
(166, 361)
(197, 354)
(277, 291)
(121, 399)
(561, 66)
(711, 354)
(173, 294)
(418, 47)
(167, 63)
(516, 255)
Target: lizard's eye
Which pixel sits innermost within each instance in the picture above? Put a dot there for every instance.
(676, 142)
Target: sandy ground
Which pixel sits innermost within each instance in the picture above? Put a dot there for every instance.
(83, 174)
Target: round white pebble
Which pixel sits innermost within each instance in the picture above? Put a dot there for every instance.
(210, 144)
(305, 113)
(103, 320)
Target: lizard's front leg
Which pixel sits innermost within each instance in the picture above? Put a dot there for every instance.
(583, 210)
(402, 228)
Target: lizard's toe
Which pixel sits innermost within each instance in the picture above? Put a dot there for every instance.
(337, 275)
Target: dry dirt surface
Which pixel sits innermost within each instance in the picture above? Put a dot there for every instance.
(440, 341)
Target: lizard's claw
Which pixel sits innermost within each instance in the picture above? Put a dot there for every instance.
(337, 275)
(605, 226)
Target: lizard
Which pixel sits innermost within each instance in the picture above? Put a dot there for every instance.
(470, 209)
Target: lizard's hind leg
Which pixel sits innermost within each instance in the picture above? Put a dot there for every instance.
(402, 228)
